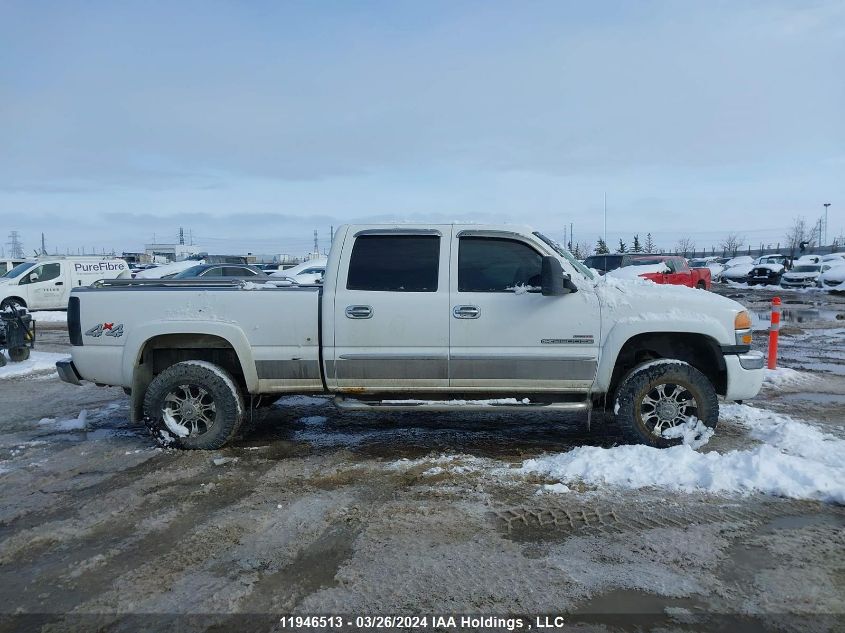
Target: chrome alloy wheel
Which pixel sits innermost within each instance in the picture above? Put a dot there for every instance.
(191, 406)
(666, 405)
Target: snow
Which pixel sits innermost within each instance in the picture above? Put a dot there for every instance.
(783, 376)
(38, 362)
(74, 424)
(693, 433)
(793, 460)
(173, 426)
(49, 316)
(522, 289)
(636, 272)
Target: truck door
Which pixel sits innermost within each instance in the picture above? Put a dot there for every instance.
(391, 312)
(680, 274)
(46, 286)
(505, 335)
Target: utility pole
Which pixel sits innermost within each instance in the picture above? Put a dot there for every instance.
(571, 236)
(43, 245)
(605, 217)
(316, 245)
(826, 205)
(181, 236)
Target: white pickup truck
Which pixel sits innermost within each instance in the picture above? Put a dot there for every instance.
(417, 317)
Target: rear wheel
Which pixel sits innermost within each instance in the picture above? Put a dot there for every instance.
(193, 405)
(659, 395)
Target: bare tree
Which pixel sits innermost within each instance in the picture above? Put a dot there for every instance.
(583, 250)
(686, 245)
(732, 243)
(650, 246)
(799, 232)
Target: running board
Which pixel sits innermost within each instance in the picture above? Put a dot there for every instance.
(507, 404)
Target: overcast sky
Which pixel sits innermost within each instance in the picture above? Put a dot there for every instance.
(254, 123)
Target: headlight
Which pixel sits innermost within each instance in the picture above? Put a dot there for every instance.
(742, 326)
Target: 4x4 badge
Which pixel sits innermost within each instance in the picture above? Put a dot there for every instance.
(109, 329)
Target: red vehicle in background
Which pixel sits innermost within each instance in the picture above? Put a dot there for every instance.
(676, 271)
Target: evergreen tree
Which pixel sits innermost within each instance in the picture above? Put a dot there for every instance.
(623, 248)
(637, 247)
(650, 247)
(601, 247)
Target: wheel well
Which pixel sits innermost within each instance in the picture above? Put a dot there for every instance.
(702, 352)
(160, 352)
(18, 299)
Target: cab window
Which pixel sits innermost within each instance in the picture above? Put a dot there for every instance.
(491, 264)
(237, 271)
(395, 263)
(45, 272)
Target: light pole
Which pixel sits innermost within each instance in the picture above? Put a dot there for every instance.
(826, 205)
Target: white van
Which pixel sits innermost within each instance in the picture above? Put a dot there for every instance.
(45, 284)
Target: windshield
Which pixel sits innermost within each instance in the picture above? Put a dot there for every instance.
(806, 269)
(565, 254)
(19, 269)
(698, 263)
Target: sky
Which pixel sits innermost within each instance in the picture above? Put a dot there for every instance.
(251, 124)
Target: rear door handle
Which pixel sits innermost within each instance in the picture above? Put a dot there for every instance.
(359, 312)
(466, 312)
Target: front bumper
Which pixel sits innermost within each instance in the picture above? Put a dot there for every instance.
(745, 375)
(67, 372)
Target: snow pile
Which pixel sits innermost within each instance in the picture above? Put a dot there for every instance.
(635, 272)
(173, 426)
(49, 316)
(74, 424)
(693, 433)
(38, 362)
(795, 460)
(784, 376)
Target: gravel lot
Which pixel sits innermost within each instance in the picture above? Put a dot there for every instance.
(317, 511)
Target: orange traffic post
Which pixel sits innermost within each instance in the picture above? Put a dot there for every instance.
(774, 331)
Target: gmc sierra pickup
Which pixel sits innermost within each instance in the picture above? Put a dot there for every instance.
(415, 317)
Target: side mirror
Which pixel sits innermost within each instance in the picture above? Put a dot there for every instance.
(33, 278)
(554, 282)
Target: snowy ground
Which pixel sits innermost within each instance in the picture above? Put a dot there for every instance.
(314, 510)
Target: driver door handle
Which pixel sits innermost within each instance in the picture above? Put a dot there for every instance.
(60, 283)
(466, 312)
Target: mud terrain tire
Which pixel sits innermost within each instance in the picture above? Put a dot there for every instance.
(199, 394)
(18, 354)
(667, 383)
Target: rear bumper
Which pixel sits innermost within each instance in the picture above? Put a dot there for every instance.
(67, 372)
(745, 375)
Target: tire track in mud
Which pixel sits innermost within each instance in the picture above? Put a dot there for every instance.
(551, 518)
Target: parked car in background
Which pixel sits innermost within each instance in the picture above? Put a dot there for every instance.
(167, 270)
(737, 269)
(665, 269)
(711, 263)
(806, 260)
(218, 270)
(806, 275)
(604, 263)
(834, 257)
(310, 272)
(833, 277)
(768, 270)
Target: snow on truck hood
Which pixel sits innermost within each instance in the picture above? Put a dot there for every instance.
(643, 300)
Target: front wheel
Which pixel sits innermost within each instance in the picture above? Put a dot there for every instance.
(194, 405)
(662, 394)
(12, 304)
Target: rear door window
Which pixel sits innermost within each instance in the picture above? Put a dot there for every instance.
(394, 263)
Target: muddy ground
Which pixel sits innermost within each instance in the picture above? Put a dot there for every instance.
(316, 511)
